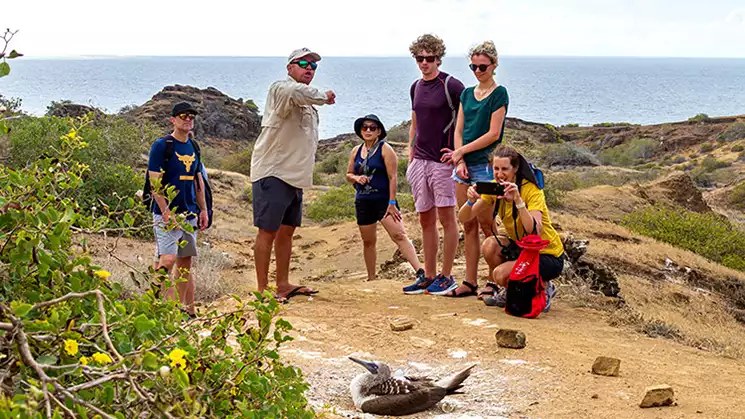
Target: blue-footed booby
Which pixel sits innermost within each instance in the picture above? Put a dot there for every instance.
(377, 391)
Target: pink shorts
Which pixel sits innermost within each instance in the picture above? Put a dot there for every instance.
(431, 184)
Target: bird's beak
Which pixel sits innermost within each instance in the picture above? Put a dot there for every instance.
(371, 366)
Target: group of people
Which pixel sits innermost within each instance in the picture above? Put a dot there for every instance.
(455, 141)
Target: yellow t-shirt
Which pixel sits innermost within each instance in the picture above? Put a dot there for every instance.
(534, 200)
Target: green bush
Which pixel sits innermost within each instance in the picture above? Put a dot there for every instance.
(572, 125)
(706, 148)
(406, 202)
(76, 344)
(336, 162)
(710, 235)
(239, 162)
(733, 132)
(402, 184)
(737, 148)
(567, 154)
(706, 174)
(702, 117)
(336, 204)
(247, 195)
(611, 124)
(631, 153)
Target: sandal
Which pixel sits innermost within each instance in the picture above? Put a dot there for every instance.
(491, 289)
(470, 286)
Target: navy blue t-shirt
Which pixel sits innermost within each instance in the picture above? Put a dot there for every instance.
(378, 187)
(181, 172)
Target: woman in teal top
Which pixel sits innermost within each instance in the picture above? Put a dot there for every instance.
(479, 128)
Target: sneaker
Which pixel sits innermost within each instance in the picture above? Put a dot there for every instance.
(442, 285)
(499, 299)
(420, 285)
(550, 294)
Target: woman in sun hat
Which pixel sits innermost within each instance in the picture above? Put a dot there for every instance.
(373, 170)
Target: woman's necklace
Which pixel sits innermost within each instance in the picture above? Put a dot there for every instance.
(482, 93)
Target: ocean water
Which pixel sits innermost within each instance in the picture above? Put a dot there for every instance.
(558, 90)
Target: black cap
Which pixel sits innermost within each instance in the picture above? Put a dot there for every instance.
(371, 117)
(183, 107)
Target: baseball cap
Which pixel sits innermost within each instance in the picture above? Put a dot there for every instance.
(303, 52)
(183, 107)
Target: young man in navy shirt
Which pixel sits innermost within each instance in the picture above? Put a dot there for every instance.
(180, 170)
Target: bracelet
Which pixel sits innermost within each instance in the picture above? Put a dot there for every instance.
(392, 202)
(470, 204)
(521, 206)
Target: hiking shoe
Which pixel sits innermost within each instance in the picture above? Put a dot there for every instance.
(498, 300)
(442, 285)
(550, 294)
(420, 285)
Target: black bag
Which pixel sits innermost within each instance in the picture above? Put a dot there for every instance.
(147, 195)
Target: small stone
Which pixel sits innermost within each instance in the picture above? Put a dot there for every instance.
(507, 338)
(657, 396)
(400, 324)
(418, 342)
(297, 237)
(595, 396)
(606, 366)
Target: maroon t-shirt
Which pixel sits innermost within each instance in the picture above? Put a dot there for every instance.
(433, 114)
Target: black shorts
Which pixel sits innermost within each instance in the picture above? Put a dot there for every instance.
(550, 266)
(275, 203)
(370, 211)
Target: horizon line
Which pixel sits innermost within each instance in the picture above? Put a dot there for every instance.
(124, 56)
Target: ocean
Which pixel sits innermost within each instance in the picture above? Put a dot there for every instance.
(557, 90)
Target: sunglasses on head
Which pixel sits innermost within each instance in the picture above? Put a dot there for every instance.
(371, 127)
(305, 63)
(186, 116)
(427, 58)
(480, 67)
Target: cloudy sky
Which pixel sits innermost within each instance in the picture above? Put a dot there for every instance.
(682, 28)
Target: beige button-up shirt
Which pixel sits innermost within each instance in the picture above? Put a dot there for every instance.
(286, 147)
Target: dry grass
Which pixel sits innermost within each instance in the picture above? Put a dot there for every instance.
(212, 279)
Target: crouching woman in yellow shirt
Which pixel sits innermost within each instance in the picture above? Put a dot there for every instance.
(522, 210)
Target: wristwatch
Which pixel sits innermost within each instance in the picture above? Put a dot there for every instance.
(521, 206)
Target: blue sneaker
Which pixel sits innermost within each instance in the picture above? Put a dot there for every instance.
(442, 285)
(550, 294)
(420, 285)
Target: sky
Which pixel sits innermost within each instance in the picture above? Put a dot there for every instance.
(682, 28)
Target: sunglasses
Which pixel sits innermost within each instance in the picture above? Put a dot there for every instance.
(369, 128)
(480, 67)
(427, 58)
(305, 63)
(186, 116)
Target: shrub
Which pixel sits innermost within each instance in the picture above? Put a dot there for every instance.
(75, 344)
(336, 204)
(611, 124)
(736, 197)
(406, 202)
(247, 194)
(702, 117)
(733, 132)
(336, 162)
(737, 148)
(567, 154)
(630, 153)
(572, 125)
(706, 148)
(402, 184)
(710, 235)
(239, 162)
(399, 133)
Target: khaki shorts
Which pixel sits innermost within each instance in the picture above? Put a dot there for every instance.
(167, 241)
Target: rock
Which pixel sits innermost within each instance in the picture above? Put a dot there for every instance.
(678, 189)
(418, 342)
(220, 116)
(595, 396)
(399, 324)
(606, 366)
(657, 396)
(67, 109)
(508, 338)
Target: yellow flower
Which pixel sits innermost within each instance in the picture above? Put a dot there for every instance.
(102, 274)
(177, 358)
(84, 360)
(72, 134)
(102, 358)
(71, 347)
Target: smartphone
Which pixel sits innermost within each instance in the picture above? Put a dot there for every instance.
(489, 188)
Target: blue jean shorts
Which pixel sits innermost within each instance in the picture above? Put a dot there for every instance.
(477, 173)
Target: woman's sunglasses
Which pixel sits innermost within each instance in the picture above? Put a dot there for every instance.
(481, 67)
(305, 63)
(186, 116)
(369, 128)
(427, 58)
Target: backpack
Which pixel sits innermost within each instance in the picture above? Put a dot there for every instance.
(147, 196)
(453, 111)
(526, 291)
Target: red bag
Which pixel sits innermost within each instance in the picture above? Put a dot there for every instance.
(526, 292)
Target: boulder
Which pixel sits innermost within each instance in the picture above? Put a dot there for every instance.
(508, 338)
(399, 324)
(67, 109)
(599, 275)
(658, 396)
(220, 116)
(607, 366)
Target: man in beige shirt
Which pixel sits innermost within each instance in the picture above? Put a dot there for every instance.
(282, 166)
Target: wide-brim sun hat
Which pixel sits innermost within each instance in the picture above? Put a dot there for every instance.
(370, 117)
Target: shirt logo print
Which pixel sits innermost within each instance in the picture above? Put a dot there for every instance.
(186, 159)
